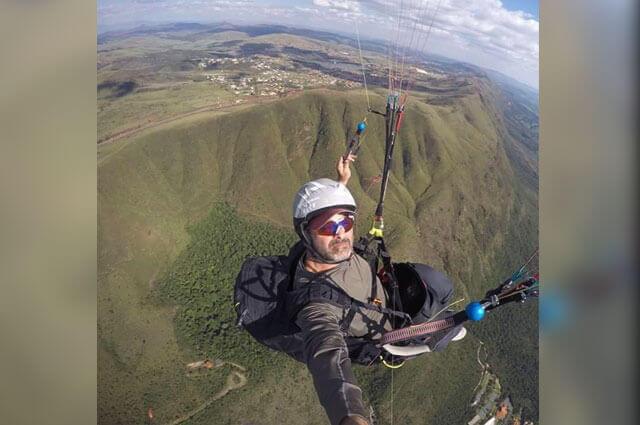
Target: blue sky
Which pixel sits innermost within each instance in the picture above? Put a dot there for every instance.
(528, 6)
(500, 35)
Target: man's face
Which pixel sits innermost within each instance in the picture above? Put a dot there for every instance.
(337, 246)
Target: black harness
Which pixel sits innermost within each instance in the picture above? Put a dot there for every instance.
(267, 305)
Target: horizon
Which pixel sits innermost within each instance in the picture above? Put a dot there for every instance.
(484, 33)
(151, 24)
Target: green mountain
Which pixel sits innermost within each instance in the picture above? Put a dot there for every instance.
(182, 204)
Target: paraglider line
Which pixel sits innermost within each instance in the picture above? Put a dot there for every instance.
(424, 43)
(364, 77)
(445, 308)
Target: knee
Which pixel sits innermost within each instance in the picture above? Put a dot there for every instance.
(438, 284)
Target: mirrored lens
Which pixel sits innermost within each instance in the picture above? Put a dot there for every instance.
(330, 228)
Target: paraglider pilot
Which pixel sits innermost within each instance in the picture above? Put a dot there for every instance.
(324, 214)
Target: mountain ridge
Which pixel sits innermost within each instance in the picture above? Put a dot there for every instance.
(453, 193)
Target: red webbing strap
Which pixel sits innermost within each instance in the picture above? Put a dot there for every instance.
(399, 121)
(416, 331)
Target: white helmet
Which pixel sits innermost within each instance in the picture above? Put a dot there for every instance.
(316, 197)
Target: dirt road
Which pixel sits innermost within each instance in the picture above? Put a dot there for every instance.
(222, 108)
(235, 380)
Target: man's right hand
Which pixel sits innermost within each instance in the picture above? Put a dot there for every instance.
(342, 167)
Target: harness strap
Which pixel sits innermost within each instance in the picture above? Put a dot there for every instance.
(322, 291)
(362, 247)
(374, 284)
(344, 299)
(423, 329)
(388, 268)
(346, 321)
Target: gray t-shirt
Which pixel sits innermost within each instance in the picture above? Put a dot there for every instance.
(354, 277)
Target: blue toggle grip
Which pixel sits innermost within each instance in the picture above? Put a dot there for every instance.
(475, 311)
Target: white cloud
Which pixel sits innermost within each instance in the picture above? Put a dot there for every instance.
(309, 10)
(482, 32)
(338, 4)
(489, 25)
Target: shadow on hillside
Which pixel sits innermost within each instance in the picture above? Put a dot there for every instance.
(118, 88)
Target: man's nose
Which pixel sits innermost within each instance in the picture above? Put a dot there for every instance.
(339, 231)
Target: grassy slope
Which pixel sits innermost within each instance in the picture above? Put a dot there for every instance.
(119, 114)
(452, 199)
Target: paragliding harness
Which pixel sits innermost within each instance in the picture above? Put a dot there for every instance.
(267, 305)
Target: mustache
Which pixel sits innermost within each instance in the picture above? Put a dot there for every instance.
(337, 242)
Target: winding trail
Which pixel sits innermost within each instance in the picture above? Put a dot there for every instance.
(235, 380)
(485, 375)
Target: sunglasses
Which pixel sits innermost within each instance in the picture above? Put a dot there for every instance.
(330, 228)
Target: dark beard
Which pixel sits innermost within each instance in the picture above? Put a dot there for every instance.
(330, 254)
(337, 246)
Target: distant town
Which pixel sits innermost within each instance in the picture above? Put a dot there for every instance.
(268, 78)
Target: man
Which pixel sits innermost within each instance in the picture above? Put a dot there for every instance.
(324, 217)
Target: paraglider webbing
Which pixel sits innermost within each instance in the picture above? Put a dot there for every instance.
(423, 329)
(393, 120)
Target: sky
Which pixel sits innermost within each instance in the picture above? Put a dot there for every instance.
(495, 34)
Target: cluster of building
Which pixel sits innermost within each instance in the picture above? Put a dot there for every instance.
(430, 74)
(207, 62)
(267, 78)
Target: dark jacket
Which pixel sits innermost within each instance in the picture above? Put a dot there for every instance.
(325, 349)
